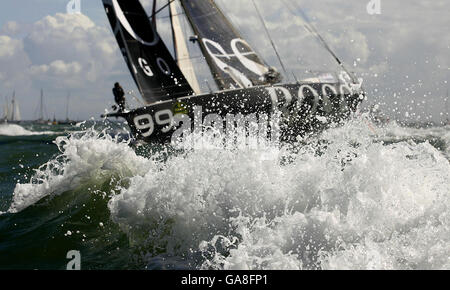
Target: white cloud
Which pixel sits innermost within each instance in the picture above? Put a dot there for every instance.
(72, 38)
(59, 53)
(57, 68)
(13, 62)
(409, 38)
(9, 46)
(406, 45)
(10, 28)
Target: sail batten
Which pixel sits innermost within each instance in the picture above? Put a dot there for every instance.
(154, 70)
(232, 61)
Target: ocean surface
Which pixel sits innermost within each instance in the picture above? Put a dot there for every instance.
(356, 196)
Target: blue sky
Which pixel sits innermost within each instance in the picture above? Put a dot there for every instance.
(403, 54)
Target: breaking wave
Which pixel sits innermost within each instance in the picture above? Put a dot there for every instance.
(16, 130)
(354, 197)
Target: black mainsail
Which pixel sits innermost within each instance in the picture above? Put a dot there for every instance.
(153, 68)
(248, 87)
(232, 61)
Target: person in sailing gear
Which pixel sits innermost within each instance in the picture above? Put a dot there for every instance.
(119, 96)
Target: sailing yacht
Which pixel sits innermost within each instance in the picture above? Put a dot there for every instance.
(11, 111)
(41, 109)
(5, 111)
(67, 121)
(247, 85)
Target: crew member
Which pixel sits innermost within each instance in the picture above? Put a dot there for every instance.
(119, 96)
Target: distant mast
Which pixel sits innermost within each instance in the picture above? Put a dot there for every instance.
(13, 105)
(6, 115)
(67, 107)
(14, 112)
(41, 107)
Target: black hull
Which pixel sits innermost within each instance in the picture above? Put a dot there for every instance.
(305, 107)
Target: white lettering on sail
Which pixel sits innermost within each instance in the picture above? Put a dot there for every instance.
(236, 75)
(253, 66)
(145, 67)
(163, 66)
(123, 20)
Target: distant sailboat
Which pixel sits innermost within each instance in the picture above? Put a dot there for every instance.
(41, 120)
(67, 121)
(5, 111)
(11, 111)
(54, 120)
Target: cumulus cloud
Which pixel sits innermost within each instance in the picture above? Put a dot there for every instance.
(71, 43)
(13, 62)
(57, 68)
(10, 28)
(59, 53)
(403, 54)
(8, 46)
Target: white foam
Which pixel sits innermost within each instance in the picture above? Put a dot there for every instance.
(342, 201)
(84, 158)
(16, 130)
(357, 205)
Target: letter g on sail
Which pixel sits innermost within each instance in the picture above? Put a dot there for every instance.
(126, 24)
(145, 67)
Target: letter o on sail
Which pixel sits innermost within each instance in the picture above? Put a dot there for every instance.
(124, 21)
(163, 66)
(251, 65)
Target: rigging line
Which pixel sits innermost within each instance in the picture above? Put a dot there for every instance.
(174, 38)
(311, 29)
(232, 20)
(268, 35)
(160, 9)
(153, 14)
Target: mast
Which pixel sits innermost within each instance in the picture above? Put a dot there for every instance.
(6, 109)
(13, 106)
(154, 70)
(17, 116)
(67, 107)
(233, 63)
(41, 107)
(180, 48)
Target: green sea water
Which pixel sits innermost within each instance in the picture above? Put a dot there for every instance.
(357, 196)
